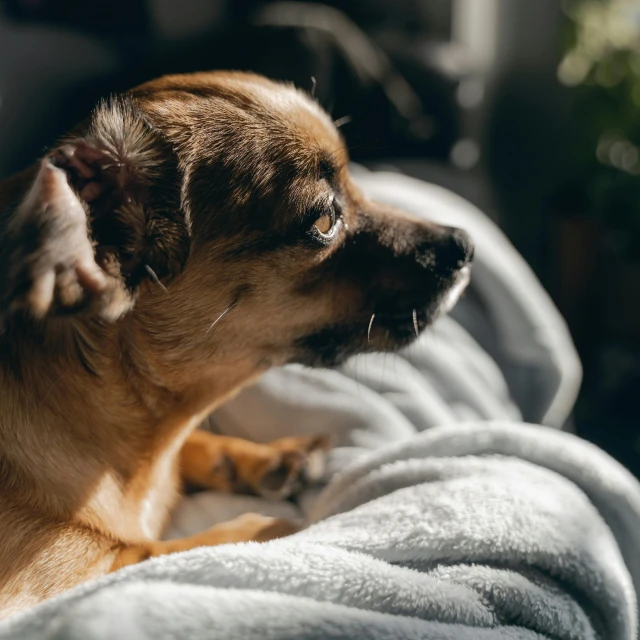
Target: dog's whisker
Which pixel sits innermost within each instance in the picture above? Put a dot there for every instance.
(415, 323)
(314, 84)
(154, 277)
(342, 121)
(373, 317)
(222, 315)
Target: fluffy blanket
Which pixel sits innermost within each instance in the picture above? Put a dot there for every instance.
(445, 515)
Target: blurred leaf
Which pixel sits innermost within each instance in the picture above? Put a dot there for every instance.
(602, 65)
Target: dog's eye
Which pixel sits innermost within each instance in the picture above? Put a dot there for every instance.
(326, 223)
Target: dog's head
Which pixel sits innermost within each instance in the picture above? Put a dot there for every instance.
(223, 202)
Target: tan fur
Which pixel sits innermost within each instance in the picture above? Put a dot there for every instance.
(188, 191)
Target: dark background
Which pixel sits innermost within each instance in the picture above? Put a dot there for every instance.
(528, 109)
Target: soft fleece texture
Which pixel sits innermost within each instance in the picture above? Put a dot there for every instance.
(484, 528)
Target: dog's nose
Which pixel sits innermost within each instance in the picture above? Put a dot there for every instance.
(461, 247)
(454, 250)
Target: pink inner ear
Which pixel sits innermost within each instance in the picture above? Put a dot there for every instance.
(91, 171)
(51, 263)
(75, 161)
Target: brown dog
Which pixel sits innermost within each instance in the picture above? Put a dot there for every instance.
(191, 234)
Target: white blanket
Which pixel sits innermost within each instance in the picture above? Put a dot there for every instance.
(483, 528)
(486, 530)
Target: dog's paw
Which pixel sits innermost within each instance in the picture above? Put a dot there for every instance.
(51, 262)
(295, 464)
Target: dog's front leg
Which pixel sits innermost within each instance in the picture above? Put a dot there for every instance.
(249, 527)
(273, 470)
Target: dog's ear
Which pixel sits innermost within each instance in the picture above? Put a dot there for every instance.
(102, 215)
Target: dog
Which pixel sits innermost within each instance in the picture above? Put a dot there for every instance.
(189, 235)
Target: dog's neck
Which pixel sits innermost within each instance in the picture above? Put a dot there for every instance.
(89, 406)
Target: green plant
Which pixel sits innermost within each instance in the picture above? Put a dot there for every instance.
(602, 66)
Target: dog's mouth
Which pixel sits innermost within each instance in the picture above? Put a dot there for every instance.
(390, 327)
(406, 323)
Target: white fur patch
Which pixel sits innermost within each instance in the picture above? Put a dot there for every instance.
(453, 295)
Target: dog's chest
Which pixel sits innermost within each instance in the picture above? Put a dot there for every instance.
(161, 486)
(137, 510)
(160, 494)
